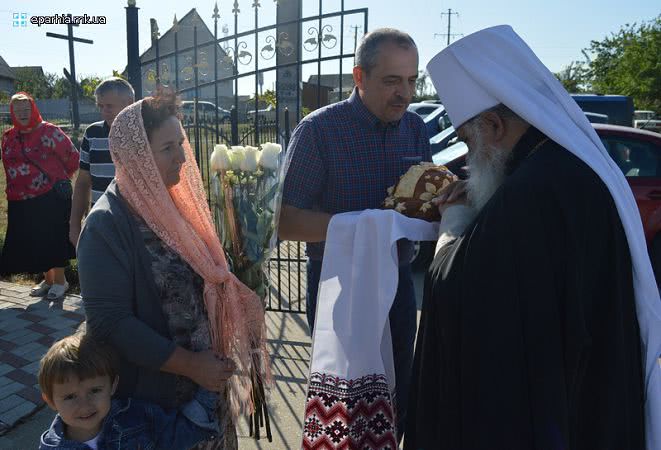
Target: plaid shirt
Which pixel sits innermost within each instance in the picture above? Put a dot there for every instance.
(343, 158)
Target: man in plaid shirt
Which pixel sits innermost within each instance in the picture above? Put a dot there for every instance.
(343, 157)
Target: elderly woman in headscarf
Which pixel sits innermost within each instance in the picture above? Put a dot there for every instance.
(154, 278)
(39, 161)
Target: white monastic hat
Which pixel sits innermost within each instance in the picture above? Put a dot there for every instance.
(495, 66)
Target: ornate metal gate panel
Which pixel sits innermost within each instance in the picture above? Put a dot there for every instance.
(210, 73)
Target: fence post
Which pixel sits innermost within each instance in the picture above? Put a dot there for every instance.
(235, 125)
(287, 130)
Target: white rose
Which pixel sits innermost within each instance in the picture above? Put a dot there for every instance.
(270, 156)
(236, 157)
(220, 159)
(249, 162)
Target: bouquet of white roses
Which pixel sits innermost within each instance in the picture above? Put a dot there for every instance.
(247, 191)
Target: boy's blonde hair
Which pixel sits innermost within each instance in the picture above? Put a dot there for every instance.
(77, 356)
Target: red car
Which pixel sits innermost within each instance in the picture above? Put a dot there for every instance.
(637, 152)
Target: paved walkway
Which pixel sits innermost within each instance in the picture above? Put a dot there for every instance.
(29, 325)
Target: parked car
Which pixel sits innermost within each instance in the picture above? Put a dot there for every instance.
(423, 109)
(205, 112)
(637, 153)
(264, 115)
(596, 117)
(647, 120)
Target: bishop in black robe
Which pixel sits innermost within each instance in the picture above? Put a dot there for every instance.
(528, 337)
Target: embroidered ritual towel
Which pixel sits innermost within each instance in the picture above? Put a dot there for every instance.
(351, 385)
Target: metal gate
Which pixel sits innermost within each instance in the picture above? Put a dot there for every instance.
(210, 73)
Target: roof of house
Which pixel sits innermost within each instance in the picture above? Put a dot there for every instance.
(185, 27)
(333, 80)
(5, 70)
(35, 70)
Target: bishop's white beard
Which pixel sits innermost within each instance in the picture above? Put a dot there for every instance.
(486, 165)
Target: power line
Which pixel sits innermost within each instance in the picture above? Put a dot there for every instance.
(449, 34)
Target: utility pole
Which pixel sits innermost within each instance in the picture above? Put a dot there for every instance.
(449, 34)
(355, 36)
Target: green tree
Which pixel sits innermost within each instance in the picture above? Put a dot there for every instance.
(629, 63)
(61, 88)
(37, 85)
(575, 77)
(424, 90)
(88, 86)
(267, 98)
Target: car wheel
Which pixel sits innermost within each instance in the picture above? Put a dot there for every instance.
(423, 255)
(655, 258)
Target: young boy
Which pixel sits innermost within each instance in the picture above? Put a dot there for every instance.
(78, 377)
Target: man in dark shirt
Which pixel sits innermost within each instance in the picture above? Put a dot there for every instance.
(96, 166)
(344, 157)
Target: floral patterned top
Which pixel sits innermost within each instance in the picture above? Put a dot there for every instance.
(52, 150)
(181, 291)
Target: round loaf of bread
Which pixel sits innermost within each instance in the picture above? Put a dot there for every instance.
(413, 193)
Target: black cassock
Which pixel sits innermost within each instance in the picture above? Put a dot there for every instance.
(528, 338)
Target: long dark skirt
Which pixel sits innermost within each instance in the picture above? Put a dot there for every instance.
(37, 238)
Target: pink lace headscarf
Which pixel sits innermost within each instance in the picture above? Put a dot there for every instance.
(180, 217)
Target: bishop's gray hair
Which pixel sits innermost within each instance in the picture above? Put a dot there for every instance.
(369, 46)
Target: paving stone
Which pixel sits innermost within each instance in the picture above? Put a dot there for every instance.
(27, 348)
(62, 333)
(22, 377)
(4, 368)
(59, 323)
(5, 381)
(47, 341)
(33, 367)
(14, 415)
(11, 402)
(31, 317)
(2, 332)
(9, 389)
(39, 328)
(30, 337)
(74, 316)
(31, 394)
(17, 333)
(12, 325)
(12, 360)
(6, 345)
(35, 356)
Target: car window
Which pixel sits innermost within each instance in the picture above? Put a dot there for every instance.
(636, 158)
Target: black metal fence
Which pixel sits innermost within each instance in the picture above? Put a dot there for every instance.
(217, 113)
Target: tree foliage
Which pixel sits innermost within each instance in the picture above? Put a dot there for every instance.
(49, 85)
(38, 85)
(424, 90)
(629, 63)
(575, 77)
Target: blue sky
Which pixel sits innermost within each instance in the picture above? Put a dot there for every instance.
(556, 30)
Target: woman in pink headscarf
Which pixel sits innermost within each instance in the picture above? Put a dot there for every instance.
(154, 278)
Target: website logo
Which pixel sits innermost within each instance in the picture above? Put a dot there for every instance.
(20, 19)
